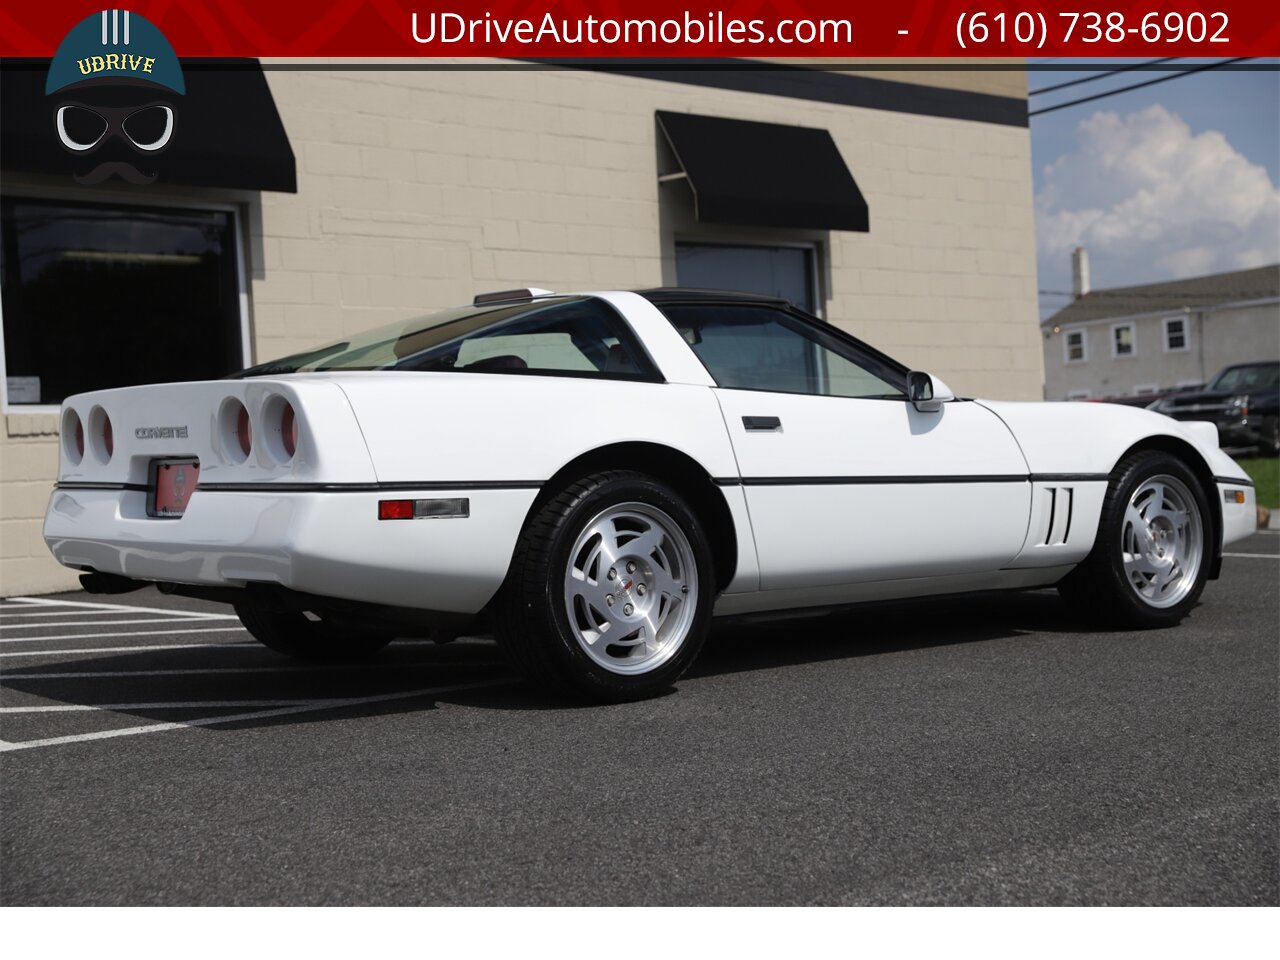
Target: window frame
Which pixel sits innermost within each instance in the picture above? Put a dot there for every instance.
(1133, 341)
(234, 210)
(1084, 345)
(1186, 335)
(809, 323)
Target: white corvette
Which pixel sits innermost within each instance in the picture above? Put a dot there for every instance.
(596, 475)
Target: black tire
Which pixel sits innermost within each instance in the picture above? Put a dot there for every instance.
(1100, 588)
(294, 634)
(532, 615)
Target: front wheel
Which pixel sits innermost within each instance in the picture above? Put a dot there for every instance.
(610, 589)
(1150, 559)
(310, 636)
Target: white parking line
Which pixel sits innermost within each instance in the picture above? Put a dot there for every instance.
(312, 707)
(6, 615)
(180, 705)
(1260, 556)
(121, 633)
(203, 671)
(241, 645)
(41, 601)
(94, 623)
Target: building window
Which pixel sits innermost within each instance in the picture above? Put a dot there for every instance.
(1146, 389)
(98, 296)
(1079, 395)
(1175, 334)
(1122, 340)
(1076, 347)
(786, 272)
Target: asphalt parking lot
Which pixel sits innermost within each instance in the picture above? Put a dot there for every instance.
(987, 750)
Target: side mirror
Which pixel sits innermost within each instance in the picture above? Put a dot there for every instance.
(926, 394)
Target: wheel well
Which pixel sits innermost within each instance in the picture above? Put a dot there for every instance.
(679, 471)
(1196, 464)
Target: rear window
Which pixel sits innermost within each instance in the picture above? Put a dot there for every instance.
(560, 336)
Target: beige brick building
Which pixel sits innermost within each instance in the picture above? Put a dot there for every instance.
(418, 188)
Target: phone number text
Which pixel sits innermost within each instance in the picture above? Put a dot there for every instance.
(1038, 28)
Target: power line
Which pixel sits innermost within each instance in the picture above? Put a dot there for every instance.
(1100, 75)
(1122, 294)
(1137, 86)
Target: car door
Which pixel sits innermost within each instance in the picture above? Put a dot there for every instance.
(845, 480)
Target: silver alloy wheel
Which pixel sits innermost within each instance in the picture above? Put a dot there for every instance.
(631, 588)
(1162, 541)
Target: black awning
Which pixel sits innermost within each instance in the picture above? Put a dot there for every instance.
(764, 174)
(227, 131)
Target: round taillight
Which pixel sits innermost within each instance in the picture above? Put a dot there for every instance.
(97, 436)
(289, 429)
(244, 431)
(71, 438)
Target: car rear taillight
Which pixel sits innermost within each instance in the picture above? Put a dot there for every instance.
(72, 437)
(234, 431)
(244, 431)
(289, 429)
(99, 437)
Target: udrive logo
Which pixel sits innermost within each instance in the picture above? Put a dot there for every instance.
(114, 85)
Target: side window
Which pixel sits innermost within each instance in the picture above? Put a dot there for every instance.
(548, 350)
(763, 348)
(573, 338)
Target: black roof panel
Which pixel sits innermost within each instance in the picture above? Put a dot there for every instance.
(700, 295)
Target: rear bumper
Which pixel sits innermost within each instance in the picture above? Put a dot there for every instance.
(328, 544)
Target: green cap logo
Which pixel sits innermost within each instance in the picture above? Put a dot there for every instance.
(115, 45)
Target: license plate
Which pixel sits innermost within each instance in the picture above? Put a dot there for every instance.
(172, 483)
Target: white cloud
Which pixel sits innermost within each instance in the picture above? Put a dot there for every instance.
(1152, 202)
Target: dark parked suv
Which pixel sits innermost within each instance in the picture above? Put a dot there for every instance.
(1243, 400)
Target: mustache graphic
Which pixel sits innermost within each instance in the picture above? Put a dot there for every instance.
(115, 168)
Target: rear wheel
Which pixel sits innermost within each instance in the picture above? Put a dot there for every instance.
(1150, 559)
(310, 636)
(610, 589)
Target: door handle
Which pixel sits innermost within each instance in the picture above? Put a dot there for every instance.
(762, 423)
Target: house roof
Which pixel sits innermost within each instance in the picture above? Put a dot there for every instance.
(1194, 292)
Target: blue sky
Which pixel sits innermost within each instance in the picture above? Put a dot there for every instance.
(1178, 179)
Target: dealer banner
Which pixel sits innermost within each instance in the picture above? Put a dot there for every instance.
(603, 29)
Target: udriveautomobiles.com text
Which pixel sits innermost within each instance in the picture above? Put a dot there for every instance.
(710, 28)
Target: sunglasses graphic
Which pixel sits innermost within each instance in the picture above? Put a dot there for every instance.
(82, 128)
